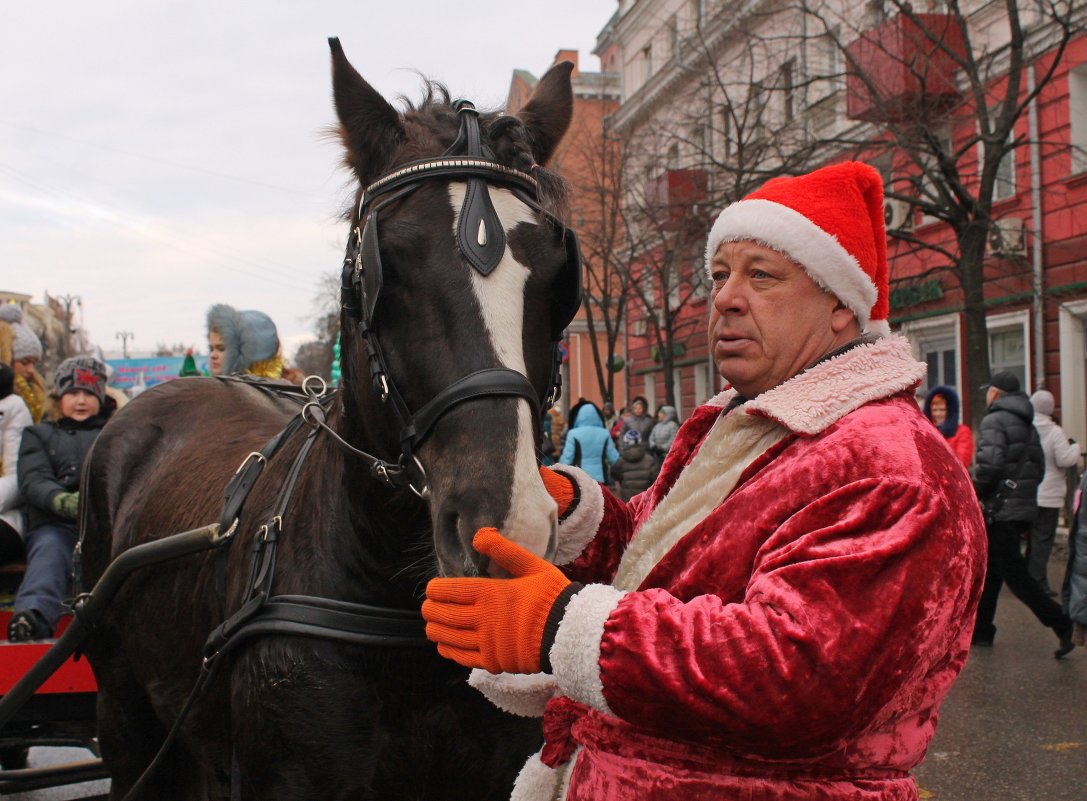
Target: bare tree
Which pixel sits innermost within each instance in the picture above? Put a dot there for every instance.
(315, 357)
(946, 98)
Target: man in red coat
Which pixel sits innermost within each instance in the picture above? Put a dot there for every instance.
(780, 615)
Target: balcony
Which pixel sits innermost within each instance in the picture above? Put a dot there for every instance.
(910, 63)
(676, 193)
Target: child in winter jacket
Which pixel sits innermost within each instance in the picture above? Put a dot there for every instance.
(636, 469)
(50, 461)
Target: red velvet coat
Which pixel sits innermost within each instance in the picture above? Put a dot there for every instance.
(794, 644)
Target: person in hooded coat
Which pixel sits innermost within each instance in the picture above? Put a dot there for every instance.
(637, 418)
(588, 444)
(14, 418)
(663, 433)
(942, 408)
(242, 342)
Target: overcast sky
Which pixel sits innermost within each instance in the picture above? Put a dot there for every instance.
(159, 157)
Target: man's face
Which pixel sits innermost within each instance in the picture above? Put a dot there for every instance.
(991, 395)
(769, 319)
(24, 368)
(938, 409)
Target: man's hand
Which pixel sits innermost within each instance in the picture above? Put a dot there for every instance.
(561, 489)
(66, 505)
(498, 624)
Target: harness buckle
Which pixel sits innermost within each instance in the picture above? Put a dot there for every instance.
(246, 460)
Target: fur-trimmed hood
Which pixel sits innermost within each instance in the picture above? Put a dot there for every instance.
(250, 336)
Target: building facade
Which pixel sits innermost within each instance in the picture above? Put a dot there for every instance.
(724, 96)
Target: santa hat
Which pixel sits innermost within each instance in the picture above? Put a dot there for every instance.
(830, 222)
(25, 343)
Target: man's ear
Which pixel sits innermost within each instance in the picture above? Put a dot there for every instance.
(842, 317)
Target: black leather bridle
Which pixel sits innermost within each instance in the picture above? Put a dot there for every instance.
(481, 240)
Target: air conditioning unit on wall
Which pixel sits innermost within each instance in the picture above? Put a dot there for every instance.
(897, 215)
(1008, 237)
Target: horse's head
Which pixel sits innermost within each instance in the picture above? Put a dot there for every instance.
(459, 280)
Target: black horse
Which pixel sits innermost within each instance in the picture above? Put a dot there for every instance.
(457, 279)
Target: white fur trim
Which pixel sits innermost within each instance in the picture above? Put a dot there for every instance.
(575, 655)
(519, 694)
(878, 327)
(578, 530)
(536, 781)
(822, 395)
(789, 232)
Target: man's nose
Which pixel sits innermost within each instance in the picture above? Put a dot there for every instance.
(730, 296)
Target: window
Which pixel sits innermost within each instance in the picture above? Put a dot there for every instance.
(788, 91)
(701, 383)
(1008, 345)
(649, 384)
(1077, 112)
(726, 131)
(647, 61)
(1005, 174)
(929, 192)
(935, 343)
(1007, 351)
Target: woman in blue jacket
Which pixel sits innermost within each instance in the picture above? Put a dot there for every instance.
(588, 443)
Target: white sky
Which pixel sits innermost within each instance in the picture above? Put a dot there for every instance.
(159, 157)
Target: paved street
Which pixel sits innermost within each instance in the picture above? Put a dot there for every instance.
(1014, 726)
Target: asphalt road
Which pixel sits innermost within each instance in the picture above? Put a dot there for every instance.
(1014, 726)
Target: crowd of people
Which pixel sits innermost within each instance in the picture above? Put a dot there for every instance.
(48, 427)
(622, 450)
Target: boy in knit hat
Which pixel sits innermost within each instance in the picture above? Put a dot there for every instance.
(780, 615)
(50, 461)
(21, 348)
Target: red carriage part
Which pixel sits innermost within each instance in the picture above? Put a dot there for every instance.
(16, 658)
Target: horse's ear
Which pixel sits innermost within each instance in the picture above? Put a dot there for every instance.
(547, 113)
(369, 127)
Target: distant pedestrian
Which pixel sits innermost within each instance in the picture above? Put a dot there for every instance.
(637, 419)
(14, 417)
(663, 434)
(50, 460)
(942, 408)
(1074, 587)
(1061, 452)
(588, 444)
(609, 415)
(1008, 467)
(547, 445)
(636, 469)
(242, 342)
(22, 346)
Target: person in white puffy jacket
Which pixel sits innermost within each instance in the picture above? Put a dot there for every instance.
(1061, 452)
(14, 417)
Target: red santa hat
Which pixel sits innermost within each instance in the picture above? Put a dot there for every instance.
(830, 222)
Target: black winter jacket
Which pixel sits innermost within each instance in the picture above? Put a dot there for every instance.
(635, 471)
(1006, 430)
(50, 460)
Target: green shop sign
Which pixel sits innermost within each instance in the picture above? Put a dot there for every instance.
(914, 294)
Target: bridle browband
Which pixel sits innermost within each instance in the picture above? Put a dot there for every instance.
(481, 241)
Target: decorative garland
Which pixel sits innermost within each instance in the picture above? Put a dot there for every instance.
(33, 394)
(267, 368)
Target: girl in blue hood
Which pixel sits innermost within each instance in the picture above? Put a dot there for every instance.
(942, 408)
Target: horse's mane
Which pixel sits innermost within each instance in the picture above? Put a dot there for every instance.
(432, 125)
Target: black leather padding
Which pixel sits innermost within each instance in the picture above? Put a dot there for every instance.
(480, 235)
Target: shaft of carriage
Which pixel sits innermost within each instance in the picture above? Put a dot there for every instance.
(90, 606)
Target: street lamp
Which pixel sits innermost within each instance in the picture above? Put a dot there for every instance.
(124, 336)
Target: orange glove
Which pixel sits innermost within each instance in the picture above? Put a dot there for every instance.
(561, 488)
(500, 625)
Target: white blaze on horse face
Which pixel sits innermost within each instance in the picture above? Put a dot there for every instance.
(531, 521)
